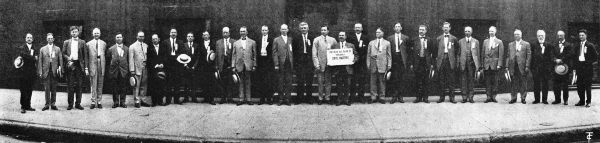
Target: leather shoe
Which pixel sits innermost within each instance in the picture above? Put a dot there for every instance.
(512, 101)
(137, 105)
(579, 104)
(99, 106)
(115, 105)
(23, 111)
(29, 109)
(78, 107)
(53, 107)
(45, 108)
(70, 107)
(123, 106)
(92, 106)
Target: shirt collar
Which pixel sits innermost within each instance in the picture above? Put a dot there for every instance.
(562, 41)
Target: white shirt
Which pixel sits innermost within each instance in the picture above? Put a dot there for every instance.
(51, 49)
(263, 48)
(446, 36)
(358, 38)
(397, 41)
(98, 47)
(156, 47)
(30, 50)
(342, 45)
(518, 45)
(227, 45)
(74, 49)
(120, 50)
(583, 51)
(561, 45)
(191, 44)
(173, 45)
(244, 42)
(423, 42)
(379, 44)
(284, 37)
(543, 47)
(491, 43)
(304, 38)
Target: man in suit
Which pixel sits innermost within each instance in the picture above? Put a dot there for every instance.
(223, 60)
(174, 68)
(584, 69)
(156, 56)
(304, 64)
(542, 61)
(400, 64)
(205, 70)
(517, 62)
(360, 76)
(560, 83)
(283, 61)
(468, 63)
(118, 56)
(49, 69)
(191, 77)
(493, 53)
(137, 68)
(423, 57)
(379, 61)
(95, 63)
(344, 73)
(319, 53)
(446, 62)
(244, 63)
(264, 85)
(75, 54)
(27, 73)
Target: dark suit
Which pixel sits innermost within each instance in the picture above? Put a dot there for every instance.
(468, 64)
(191, 78)
(344, 74)
(359, 83)
(27, 73)
(264, 86)
(423, 57)
(304, 66)
(446, 64)
(156, 86)
(560, 83)
(517, 62)
(493, 55)
(76, 73)
(118, 73)
(204, 71)
(174, 69)
(542, 65)
(283, 58)
(584, 69)
(400, 65)
(222, 61)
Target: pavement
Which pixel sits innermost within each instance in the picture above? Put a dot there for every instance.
(399, 122)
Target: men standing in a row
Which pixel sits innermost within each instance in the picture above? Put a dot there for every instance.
(379, 61)
(359, 81)
(190, 75)
(446, 62)
(49, 70)
(223, 60)
(423, 58)
(137, 68)
(304, 64)
(518, 62)
(74, 52)
(155, 62)
(27, 73)
(264, 85)
(584, 69)
(344, 74)
(400, 64)
(244, 63)
(174, 68)
(283, 60)
(493, 54)
(468, 63)
(96, 63)
(560, 83)
(118, 71)
(542, 64)
(319, 53)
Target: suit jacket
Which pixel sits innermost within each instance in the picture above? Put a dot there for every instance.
(196, 52)
(82, 52)
(566, 53)
(171, 65)
(319, 51)
(223, 57)
(402, 52)
(361, 49)
(349, 68)
(45, 61)
(118, 64)
(543, 61)
(379, 58)
(137, 57)
(585, 68)
(429, 52)
(493, 54)
(244, 59)
(472, 47)
(522, 57)
(202, 64)
(299, 45)
(154, 57)
(452, 50)
(93, 54)
(266, 62)
(29, 61)
(282, 52)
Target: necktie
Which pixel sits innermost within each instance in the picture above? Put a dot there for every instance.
(304, 42)
(51, 51)
(379, 44)
(192, 47)
(543, 48)
(397, 43)
(226, 46)
(341, 45)
(561, 46)
(97, 50)
(173, 46)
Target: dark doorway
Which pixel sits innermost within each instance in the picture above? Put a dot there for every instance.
(480, 27)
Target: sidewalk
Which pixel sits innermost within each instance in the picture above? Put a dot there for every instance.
(401, 122)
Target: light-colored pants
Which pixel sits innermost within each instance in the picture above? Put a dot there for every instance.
(245, 86)
(324, 80)
(377, 80)
(139, 93)
(96, 84)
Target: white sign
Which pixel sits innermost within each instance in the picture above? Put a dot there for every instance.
(337, 57)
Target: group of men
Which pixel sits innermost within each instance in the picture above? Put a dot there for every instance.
(265, 67)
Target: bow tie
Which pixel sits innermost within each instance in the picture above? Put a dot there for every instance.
(422, 37)
(243, 38)
(446, 35)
